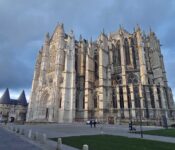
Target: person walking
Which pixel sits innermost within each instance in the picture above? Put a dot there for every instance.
(91, 123)
(95, 123)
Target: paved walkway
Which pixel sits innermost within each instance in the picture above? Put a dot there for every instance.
(75, 129)
(65, 130)
(10, 141)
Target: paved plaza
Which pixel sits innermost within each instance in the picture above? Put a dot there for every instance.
(10, 141)
(64, 130)
(76, 129)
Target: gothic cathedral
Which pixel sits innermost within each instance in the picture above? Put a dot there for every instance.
(119, 76)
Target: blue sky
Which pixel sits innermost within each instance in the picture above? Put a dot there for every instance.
(24, 23)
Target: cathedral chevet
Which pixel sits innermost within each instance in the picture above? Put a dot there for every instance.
(117, 77)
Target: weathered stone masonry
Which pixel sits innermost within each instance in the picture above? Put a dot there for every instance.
(121, 75)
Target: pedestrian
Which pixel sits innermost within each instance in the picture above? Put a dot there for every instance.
(130, 125)
(95, 123)
(91, 123)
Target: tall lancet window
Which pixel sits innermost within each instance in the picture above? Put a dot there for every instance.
(96, 59)
(95, 100)
(114, 98)
(129, 97)
(127, 53)
(118, 53)
(114, 54)
(137, 97)
(133, 53)
(121, 97)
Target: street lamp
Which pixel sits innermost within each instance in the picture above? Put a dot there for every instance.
(141, 130)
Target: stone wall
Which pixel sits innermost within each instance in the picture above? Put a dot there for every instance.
(121, 76)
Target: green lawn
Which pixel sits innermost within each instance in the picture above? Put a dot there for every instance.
(161, 132)
(109, 142)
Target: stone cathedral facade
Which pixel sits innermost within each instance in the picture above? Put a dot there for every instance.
(120, 77)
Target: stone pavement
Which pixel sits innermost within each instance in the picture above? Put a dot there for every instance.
(10, 141)
(77, 129)
(9, 134)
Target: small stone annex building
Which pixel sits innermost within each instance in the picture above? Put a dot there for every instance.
(13, 108)
(117, 77)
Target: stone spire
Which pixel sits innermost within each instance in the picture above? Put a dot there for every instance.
(151, 33)
(46, 45)
(80, 38)
(103, 39)
(138, 28)
(47, 38)
(71, 43)
(37, 69)
(91, 40)
(44, 59)
(22, 98)
(60, 29)
(5, 99)
(141, 53)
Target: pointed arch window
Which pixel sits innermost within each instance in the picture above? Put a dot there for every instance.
(118, 53)
(129, 97)
(159, 96)
(114, 98)
(127, 53)
(121, 97)
(133, 53)
(96, 101)
(137, 97)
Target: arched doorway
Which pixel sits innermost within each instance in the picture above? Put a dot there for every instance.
(44, 110)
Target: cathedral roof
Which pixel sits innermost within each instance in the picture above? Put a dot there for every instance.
(119, 32)
(5, 99)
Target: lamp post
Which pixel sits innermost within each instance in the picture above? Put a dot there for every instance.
(140, 110)
(141, 130)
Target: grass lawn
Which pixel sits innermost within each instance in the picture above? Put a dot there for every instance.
(161, 132)
(109, 142)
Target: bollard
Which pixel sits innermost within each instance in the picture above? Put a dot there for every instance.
(101, 130)
(44, 138)
(85, 147)
(17, 130)
(14, 129)
(35, 136)
(11, 128)
(21, 131)
(26, 133)
(59, 144)
(8, 127)
(30, 134)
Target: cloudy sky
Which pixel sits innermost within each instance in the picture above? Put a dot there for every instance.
(24, 23)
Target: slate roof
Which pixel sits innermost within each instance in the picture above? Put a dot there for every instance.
(22, 99)
(5, 99)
